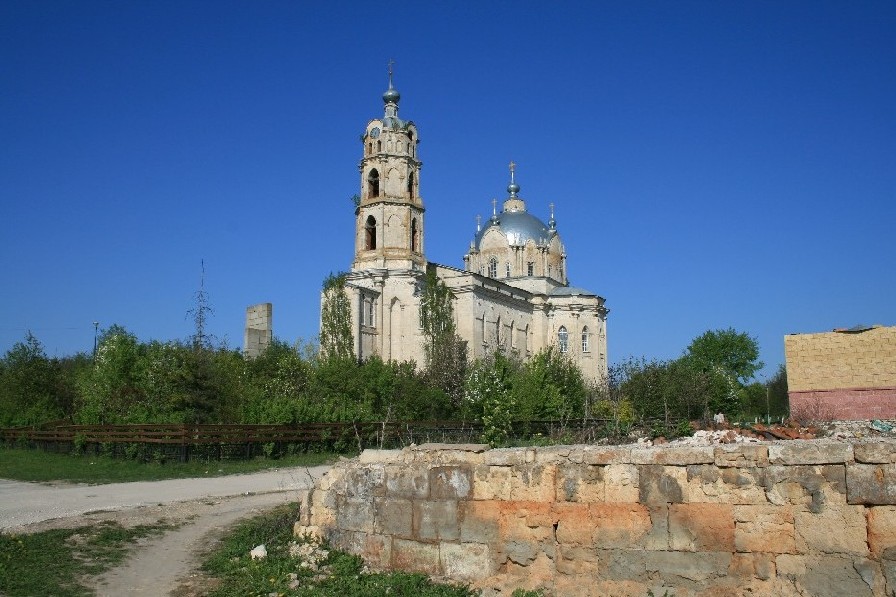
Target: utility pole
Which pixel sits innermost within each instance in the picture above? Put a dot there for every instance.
(96, 327)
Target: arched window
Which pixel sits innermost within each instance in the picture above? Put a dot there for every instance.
(379, 146)
(411, 185)
(507, 270)
(370, 233)
(415, 240)
(530, 268)
(373, 183)
(563, 339)
(498, 332)
(585, 339)
(513, 339)
(493, 267)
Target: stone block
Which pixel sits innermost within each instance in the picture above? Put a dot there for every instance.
(661, 484)
(393, 516)
(377, 552)
(746, 566)
(573, 523)
(606, 455)
(414, 556)
(673, 455)
(466, 562)
(881, 529)
(730, 485)
(580, 483)
(701, 527)
(657, 539)
(620, 526)
(809, 452)
(450, 482)
(533, 483)
(815, 487)
(552, 455)
(875, 452)
(355, 515)
(577, 561)
(406, 482)
(491, 482)
(696, 567)
(504, 457)
(622, 483)
(872, 484)
(365, 482)
(480, 521)
(834, 576)
(741, 455)
(764, 529)
(436, 520)
(624, 564)
(371, 456)
(835, 530)
(790, 566)
(437, 447)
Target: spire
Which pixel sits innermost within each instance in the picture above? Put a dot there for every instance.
(513, 188)
(552, 222)
(391, 96)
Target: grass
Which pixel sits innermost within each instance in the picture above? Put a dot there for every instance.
(54, 562)
(340, 574)
(39, 466)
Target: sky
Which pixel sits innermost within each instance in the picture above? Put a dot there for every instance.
(713, 164)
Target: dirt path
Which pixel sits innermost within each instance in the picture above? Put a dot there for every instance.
(162, 565)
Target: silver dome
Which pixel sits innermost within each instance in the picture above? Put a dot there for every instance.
(518, 227)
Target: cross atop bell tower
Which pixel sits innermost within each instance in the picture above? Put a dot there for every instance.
(389, 216)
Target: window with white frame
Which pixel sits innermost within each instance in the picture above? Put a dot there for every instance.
(563, 339)
(585, 347)
(493, 267)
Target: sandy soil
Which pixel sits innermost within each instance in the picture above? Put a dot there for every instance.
(165, 565)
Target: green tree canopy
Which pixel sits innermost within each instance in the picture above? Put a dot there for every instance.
(735, 352)
(336, 340)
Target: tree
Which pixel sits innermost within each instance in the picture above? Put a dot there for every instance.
(28, 383)
(445, 352)
(735, 352)
(336, 341)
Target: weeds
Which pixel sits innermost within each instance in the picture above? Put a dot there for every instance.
(54, 562)
(332, 574)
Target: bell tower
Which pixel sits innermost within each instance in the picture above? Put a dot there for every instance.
(389, 216)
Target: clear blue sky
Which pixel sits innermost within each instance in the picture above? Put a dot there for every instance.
(713, 164)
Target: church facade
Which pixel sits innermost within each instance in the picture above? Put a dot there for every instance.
(512, 293)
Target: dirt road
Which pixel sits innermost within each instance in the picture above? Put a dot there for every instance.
(163, 565)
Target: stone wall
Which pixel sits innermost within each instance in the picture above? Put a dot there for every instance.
(843, 375)
(788, 518)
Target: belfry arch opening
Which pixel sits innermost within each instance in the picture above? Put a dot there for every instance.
(411, 185)
(373, 183)
(415, 236)
(370, 233)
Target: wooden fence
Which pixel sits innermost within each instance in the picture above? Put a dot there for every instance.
(186, 442)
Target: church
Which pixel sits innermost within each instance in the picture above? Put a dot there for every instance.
(512, 293)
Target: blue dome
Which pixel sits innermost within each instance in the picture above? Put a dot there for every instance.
(518, 227)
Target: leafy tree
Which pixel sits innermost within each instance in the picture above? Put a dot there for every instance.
(549, 386)
(488, 396)
(111, 392)
(336, 340)
(28, 384)
(444, 351)
(736, 352)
